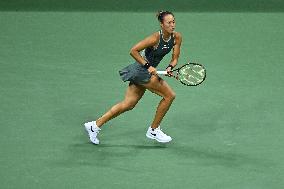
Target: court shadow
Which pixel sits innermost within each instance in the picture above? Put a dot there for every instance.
(115, 154)
(135, 146)
(104, 156)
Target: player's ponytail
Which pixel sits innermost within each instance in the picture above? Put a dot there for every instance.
(161, 14)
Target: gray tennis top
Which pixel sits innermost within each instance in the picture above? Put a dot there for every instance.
(154, 55)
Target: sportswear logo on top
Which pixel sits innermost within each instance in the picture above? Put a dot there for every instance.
(165, 47)
(92, 129)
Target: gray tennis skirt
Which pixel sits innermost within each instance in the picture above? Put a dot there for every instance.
(135, 73)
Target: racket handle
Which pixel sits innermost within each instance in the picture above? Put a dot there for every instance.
(162, 72)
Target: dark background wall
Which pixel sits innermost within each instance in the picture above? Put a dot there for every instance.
(144, 5)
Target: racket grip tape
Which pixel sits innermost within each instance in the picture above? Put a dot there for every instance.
(162, 72)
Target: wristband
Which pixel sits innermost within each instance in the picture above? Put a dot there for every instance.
(147, 65)
(170, 66)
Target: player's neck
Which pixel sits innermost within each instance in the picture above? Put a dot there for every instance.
(166, 35)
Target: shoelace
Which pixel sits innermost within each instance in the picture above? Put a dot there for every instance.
(95, 130)
(159, 130)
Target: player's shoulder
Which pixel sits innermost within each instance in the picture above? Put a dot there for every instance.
(177, 35)
(154, 36)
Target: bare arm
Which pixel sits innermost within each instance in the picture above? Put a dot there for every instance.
(176, 49)
(150, 41)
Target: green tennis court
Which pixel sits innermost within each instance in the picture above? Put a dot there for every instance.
(59, 69)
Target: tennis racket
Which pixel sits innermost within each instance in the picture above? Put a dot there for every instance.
(190, 74)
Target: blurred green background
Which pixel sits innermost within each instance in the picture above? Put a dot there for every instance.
(145, 5)
(59, 65)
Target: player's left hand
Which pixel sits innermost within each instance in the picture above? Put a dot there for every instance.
(169, 71)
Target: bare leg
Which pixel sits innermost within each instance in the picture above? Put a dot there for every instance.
(161, 88)
(132, 96)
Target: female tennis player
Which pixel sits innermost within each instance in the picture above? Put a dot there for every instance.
(142, 75)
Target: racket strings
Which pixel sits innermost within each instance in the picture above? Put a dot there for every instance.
(191, 75)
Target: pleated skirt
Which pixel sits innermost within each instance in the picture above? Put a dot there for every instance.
(135, 73)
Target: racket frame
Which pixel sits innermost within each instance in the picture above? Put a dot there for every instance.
(178, 69)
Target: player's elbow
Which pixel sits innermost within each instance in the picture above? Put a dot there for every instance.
(133, 51)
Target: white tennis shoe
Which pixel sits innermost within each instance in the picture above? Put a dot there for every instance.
(93, 131)
(158, 135)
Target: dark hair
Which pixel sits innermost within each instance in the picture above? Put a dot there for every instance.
(161, 14)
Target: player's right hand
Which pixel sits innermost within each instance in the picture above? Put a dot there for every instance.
(152, 70)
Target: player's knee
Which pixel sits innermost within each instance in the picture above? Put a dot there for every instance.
(170, 96)
(173, 96)
(129, 106)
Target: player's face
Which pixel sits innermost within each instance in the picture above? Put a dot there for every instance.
(169, 23)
